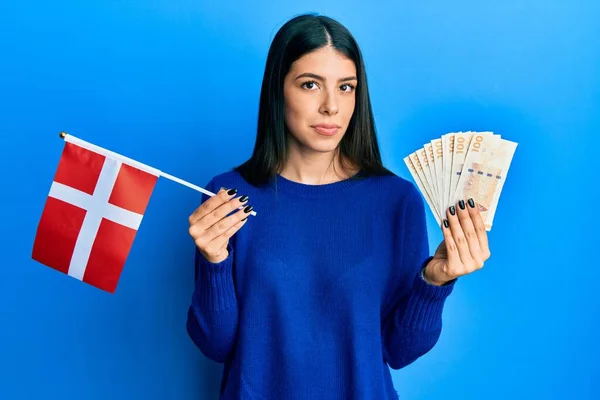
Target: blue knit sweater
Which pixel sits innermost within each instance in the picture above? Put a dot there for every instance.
(321, 293)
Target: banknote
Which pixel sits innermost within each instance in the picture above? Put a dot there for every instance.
(436, 160)
(447, 154)
(430, 160)
(424, 162)
(414, 158)
(416, 174)
(462, 165)
(484, 172)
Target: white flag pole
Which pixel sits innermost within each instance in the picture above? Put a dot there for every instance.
(100, 150)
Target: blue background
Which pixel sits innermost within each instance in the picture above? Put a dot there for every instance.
(175, 84)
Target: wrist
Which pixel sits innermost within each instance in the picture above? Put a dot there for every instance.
(432, 279)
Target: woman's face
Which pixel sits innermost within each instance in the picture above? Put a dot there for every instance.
(319, 98)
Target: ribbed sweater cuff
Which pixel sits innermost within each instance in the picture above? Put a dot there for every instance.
(215, 290)
(425, 305)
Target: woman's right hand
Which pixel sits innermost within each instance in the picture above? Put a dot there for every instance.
(209, 227)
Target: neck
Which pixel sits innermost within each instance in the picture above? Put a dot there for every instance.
(315, 168)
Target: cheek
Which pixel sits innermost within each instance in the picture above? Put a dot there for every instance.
(349, 108)
(296, 111)
(290, 117)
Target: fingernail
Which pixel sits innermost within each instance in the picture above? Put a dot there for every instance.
(232, 192)
(461, 204)
(471, 203)
(452, 210)
(244, 219)
(243, 198)
(446, 223)
(248, 209)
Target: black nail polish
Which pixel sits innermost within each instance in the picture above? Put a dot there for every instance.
(471, 203)
(461, 204)
(232, 192)
(452, 210)
(446, 223)
(248, 209)
(244, 219)
(243, 198)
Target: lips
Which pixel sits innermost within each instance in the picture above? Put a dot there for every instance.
(326, 129)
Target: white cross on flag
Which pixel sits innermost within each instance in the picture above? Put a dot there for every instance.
(92, 214)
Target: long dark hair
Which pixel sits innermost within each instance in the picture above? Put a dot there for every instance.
(300, 35)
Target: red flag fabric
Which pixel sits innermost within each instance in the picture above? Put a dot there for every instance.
(91, 216)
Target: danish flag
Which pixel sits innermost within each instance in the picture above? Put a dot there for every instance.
(91, 216)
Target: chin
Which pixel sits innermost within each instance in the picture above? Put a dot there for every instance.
(311, 140)
(324, 147)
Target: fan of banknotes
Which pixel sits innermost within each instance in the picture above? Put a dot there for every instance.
(461, 165)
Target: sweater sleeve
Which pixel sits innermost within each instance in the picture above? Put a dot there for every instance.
(213, 313)
(414, 324)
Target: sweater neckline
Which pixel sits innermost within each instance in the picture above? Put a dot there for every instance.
(319, 190)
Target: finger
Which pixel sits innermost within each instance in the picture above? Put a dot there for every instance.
(222, 240)
(479, 226)
(459, 237)
(210, 204)
(217, 207)
(451, 248)
(469, 231)
(223, 225)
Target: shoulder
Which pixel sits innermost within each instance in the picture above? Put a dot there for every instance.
(228, 179)
(400, 198)
(404, 203)
(400, 190)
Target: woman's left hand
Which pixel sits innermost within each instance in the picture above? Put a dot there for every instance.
(464, 248)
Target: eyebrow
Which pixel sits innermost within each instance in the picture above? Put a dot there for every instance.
(315, 76)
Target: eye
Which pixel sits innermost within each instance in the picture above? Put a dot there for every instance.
(309, 85)
(347, 87)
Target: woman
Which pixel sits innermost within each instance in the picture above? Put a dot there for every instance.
(332, 281)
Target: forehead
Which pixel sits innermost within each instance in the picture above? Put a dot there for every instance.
(325, 61)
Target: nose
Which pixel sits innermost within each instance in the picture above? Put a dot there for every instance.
(329, 105)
